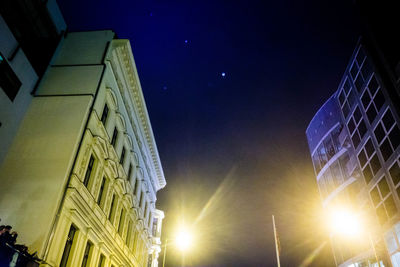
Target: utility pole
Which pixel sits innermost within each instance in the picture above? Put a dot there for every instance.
(276, 242)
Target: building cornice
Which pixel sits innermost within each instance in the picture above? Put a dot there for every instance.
(127, 64)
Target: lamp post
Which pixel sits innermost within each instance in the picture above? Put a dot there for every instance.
(182, 241)
(165, 252)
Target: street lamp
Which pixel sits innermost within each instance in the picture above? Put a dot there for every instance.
(346, 223)
(183, 241)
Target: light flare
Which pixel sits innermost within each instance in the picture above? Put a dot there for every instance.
(345, 222)
(183, 239)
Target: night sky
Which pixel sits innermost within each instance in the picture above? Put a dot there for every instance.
(230, 87)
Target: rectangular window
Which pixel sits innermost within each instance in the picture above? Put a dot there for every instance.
(112, 209)
(114, 137)
(101, 260)
(68, 246)
(129, 172)
(9, 81)
(88, 171)
(104, 115)
(149, 220)
(121, 222)
(121, 160)
(141, 199)
(101, 192)
(129, 234)
(383, 200)
(86, 254)
(154, 230)
(135, 186)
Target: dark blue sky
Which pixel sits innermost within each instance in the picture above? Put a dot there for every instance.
(282, 60)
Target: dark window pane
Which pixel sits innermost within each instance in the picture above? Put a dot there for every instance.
(122, 158)
(130, 172)
(379, 100)
(346, 86)
(114, 137)
(346, 110)
(371, 113)
(383, 187)
(390, 206)
(367, 174)
(388, 120)
(356, 139)
(369, 148)
(86, 254)
(360, 57)
(395, 173)
(362, 128)
(373, 85)
(367, 69)
(101, 261)
(357, 115)
(379, 133)
(362, 158)
(376, 198)
(9, 81)
(135, 186)
(88, 171)
(351, 126)
(365, 99)
(104, 115)
(386, 149)
(112, 209)
(68, 246)
(375, 164)
(381, 213)
(100, 197)
(359, 83)
(121, 222)
(353, 70)
(342, 98)
(394, 137)
(352, 98)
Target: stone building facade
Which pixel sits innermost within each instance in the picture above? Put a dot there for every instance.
(81, 170)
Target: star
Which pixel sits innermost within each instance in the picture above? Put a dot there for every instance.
(186, 41)
(223, 74)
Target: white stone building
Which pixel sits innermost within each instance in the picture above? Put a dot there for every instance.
(79, 181)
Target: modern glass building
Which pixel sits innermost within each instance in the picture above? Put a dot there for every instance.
(354, 140)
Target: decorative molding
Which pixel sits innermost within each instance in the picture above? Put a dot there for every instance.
(122, 62)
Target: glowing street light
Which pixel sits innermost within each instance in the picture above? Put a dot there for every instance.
(345, 222)
(183, 241)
